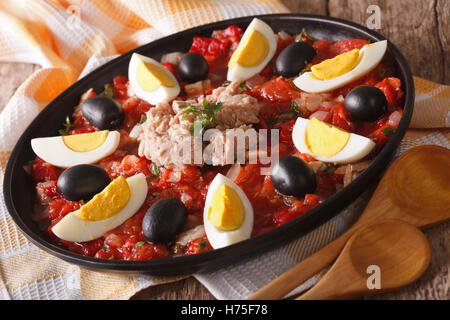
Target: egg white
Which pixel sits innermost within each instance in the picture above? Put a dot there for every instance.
(357, 146)
(240, 73)
(222, 238)
(162, 93)
(54, 151)
(72, 228)
(370, 56)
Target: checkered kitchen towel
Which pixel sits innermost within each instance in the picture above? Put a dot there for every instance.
(70, 38)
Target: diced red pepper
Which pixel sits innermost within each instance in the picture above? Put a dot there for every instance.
(42, 171)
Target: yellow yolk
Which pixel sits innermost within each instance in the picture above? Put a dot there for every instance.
(150, 77)
(226, 211)
(106, 203)
(337, 66)
(251, 52)
(324, 139)
(85, 142)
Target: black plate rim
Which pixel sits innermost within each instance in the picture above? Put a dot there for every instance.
(221, 257)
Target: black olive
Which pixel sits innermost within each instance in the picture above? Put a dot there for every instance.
(366, 103)
(294, 58)
(292, 176)
(193, 67)
(103, 112)
(164, 220)
(82, 182)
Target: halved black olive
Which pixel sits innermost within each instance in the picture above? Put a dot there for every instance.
(292, 176)
(103, 112)
(294, 58)
(164, 220)
(82, 182)
(193, 67)
(366, 103)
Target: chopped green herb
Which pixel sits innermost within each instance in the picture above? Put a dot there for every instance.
(155, 194)
(67, 127)
(109, 90)
(202, 244)
(183, 105)
(382, 72)
(243, 86)
(226, 83)
(295, 108)
(82, 202)
(329, 168)
(142, 119)
(272, 121)
(303, 35)
(206, 116)
(155, 170)
(31, 162)
(105, 248)
(139, 244)
(388, 131)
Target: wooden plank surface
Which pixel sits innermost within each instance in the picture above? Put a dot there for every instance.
(421, 30)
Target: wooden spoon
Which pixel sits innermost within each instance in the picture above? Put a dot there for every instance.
(415, 189)
(394, 251)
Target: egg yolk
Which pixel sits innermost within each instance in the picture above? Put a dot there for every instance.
(251, 52)
(324, 139)
(337, 66)
(85, 142)
(226, 211)
(106, 203)
(151, 76)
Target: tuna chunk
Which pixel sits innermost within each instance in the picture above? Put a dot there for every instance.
(238, 108)
(230, 146)
(166, 139)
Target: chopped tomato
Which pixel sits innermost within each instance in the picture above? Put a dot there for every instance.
(210, 48)
(341, 118)
(279, 91)
(392, 91)
(120, 84)
(42, 171)
(86, 129)
(286, 131)
(198, 245)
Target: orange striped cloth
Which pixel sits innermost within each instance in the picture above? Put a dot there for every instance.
(69, 38)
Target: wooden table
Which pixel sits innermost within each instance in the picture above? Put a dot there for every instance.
(420, 28)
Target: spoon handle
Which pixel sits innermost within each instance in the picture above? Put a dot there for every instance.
(298, 274)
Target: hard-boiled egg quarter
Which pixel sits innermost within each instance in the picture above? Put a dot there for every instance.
(342, 69)
(228, 213)
(71, 150)
(119, 201)
(151, 81)
(257, 46)
(328, 143)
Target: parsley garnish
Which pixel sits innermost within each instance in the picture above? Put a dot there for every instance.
(67, 127)
(109, 90)
(105, 248)
(295, 108)
(82, 202)
(303, 35)
(388, 131)
(155, 170)
(142, 119)
(202, 244)
(155, 194)
(139, 244)
(226, 83)
(206, 116)
(243, 86)
(329, 168)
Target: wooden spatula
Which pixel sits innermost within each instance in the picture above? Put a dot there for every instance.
(415, 189)
(380, 257)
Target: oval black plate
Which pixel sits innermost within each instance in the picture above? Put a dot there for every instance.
(19, 190)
